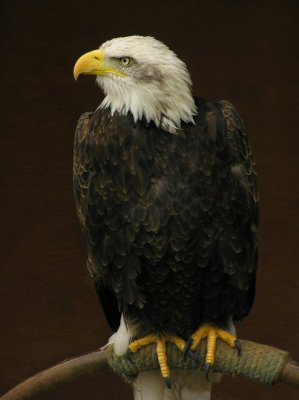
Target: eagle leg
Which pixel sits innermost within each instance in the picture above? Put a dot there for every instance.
(160, 350)
(212, 333)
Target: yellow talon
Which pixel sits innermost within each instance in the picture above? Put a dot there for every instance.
(143, 342)
(212, 333)
(160, 349)
(162, 357)
(211, 347)
(226, 337)
(177, 341)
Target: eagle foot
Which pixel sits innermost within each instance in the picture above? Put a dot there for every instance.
(212, 333)
(161, 350)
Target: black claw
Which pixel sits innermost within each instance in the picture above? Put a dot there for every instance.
(168, 382)
(208, 368)
(238, 346)
(187, 347)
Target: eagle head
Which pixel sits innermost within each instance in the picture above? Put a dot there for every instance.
(141, 75)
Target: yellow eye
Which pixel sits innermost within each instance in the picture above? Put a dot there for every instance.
(125, 61)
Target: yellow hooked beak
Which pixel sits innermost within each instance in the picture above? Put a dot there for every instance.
(93, 63)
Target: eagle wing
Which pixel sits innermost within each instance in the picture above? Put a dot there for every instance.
(109, 186)
(84, 170)
(239, 249)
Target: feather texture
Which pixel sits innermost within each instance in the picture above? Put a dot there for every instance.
(170, 220)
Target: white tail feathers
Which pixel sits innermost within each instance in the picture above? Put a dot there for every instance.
(121, 338)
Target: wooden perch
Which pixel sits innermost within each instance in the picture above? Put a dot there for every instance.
(255, 362)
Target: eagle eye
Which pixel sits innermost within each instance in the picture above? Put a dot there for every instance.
(125, 61)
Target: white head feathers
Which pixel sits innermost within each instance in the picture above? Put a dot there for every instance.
(157, 85)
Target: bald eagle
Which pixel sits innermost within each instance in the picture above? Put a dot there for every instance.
(166, 196)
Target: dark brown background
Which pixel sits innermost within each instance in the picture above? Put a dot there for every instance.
(243, 51)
